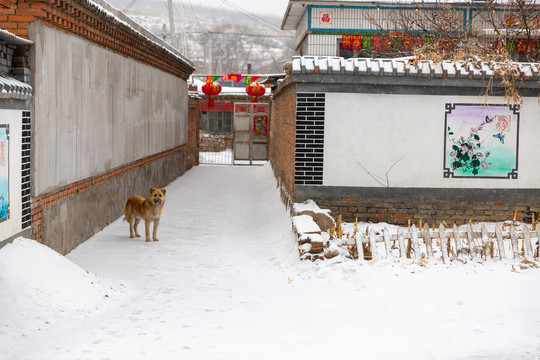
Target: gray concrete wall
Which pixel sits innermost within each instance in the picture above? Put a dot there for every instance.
(95, 110)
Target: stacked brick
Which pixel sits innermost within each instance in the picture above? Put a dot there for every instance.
(85, 19)
(308, 234)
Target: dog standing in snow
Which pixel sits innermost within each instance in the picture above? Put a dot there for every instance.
(148, 209)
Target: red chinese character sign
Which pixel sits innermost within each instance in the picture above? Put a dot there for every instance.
(255, 90)
(260, 124)
(211, 89)
(325, 18)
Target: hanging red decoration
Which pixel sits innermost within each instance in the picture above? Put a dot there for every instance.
(211, 89)
(255, 90)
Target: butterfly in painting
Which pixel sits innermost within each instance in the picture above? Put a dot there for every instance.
(499, 136)
(486, 121)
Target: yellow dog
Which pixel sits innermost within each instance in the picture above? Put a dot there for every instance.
(148, 209)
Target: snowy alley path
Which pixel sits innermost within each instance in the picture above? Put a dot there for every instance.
(225, 282)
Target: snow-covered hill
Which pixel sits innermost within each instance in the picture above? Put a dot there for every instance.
(220, 39)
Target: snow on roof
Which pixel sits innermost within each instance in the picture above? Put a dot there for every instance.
(402, 67)
(116, 16)
(11, 88)
(13, 39)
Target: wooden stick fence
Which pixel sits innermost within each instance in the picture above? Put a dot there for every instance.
(452, 243)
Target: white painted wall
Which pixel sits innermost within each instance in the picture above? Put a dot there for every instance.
(376, 130)
(13, 225)
(95, 110)
(322, 45)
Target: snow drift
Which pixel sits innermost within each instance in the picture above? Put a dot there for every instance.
(32, 277)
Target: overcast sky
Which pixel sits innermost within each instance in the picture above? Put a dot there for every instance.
(271, 7)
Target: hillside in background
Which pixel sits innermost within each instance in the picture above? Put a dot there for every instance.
(218, 40)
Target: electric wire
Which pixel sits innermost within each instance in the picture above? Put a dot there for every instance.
(250, 15)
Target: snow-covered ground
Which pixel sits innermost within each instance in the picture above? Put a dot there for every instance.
(216, 157)
(225, 282)
(224, 158)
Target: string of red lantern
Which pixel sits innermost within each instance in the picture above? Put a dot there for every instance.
(255, 90)
(211, 89)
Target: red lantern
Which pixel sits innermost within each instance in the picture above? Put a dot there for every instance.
(211, 89)
(255, 90)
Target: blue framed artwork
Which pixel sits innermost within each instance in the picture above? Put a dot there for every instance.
(481, 141)
(4, 172)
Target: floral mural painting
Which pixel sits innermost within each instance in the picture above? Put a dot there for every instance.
(481, 141)
(4, 172)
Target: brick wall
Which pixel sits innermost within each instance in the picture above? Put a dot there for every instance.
(6, 56)
(399, 211)
(92, 23)
(282, 134)
(398, 205)
(192, 147)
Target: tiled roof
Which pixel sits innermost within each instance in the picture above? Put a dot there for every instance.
(14, 89)
(13, 39)
(404, 67)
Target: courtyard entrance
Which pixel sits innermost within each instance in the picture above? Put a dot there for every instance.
(234, 134)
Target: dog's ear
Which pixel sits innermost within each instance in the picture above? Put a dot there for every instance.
(164, 191)
(152, 190)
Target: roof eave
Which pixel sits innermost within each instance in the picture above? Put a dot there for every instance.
(13, 39)
(286, 23)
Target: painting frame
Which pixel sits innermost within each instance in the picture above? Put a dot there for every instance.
(481, 141)
(4, 173)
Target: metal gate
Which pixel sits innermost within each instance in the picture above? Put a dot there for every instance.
(233, 134)
(216, 134)
(250, 133)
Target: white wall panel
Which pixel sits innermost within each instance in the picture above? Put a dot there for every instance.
(377, 130)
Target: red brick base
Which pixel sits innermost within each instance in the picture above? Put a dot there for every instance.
(44, 201)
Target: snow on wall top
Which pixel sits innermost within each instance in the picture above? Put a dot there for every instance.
(13, 39)
(304, 224)
(402, 67)
(118, 17)
(309, 205)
